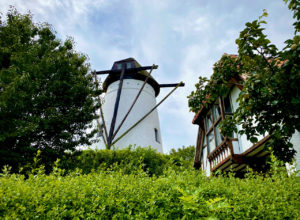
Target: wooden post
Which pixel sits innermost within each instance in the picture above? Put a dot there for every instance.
(170, 85)
(230, 147)
(198, 153)
(113, 121)
(101, 111)
(101, 133)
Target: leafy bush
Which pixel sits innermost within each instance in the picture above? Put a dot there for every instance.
(187, 153)
(182, 156)
(127, 159)
(108, 194)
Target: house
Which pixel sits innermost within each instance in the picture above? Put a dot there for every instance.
(216, 152)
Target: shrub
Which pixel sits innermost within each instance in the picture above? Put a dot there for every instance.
(182, 156)
(185, 194)
(128, 159)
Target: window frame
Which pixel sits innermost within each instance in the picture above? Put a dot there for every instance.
(213, 126)
(222, 114)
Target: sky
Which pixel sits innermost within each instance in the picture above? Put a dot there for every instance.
(183, 37)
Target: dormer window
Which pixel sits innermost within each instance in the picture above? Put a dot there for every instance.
(128, 65)
(119, 66)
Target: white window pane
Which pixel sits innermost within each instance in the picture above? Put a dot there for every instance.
(128, 65)
(211, 141)
(208, 122)
(216, 112)
(219, 137)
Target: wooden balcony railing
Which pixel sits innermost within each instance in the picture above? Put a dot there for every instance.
(221, 153)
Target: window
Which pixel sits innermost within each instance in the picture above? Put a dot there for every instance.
(156, 135)
(227, 105)
(208, 122)
(219, 137)
(228, 110)
(128, 65)
(211, 141)
(216, 112)
(213, 137)
(119, 66)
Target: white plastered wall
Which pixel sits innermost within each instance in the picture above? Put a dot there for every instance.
(243, 144)
(246, 144)
(295, 140)
(144, 133)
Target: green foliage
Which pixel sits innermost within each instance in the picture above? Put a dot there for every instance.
(185, 194)
(46, 92)
(128, 159)
(186, 153)
(269, 100)
(182, 156)
(207, 90)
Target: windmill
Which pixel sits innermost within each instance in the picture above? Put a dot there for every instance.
(129, 112)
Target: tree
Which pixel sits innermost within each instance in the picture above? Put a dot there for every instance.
(270, 99)
(46, 92)
(186, 153)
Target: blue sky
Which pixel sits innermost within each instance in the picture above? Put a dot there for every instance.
(184, 37)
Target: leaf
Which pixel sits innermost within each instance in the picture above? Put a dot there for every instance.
(295, 100)
(253, 139)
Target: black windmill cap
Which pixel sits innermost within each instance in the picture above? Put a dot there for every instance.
(138, 75)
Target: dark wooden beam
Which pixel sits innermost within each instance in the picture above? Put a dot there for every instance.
(198, 150)
(127, 70)
(113, 121)
(101, 110)
(171, 85)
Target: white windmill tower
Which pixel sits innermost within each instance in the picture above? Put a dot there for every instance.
(128, 114)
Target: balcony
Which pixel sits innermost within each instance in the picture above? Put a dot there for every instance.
(223, 157)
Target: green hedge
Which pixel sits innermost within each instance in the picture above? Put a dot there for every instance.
(176, 194)
(129, 158)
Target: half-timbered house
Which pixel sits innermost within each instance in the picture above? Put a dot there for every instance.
(217, 152)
